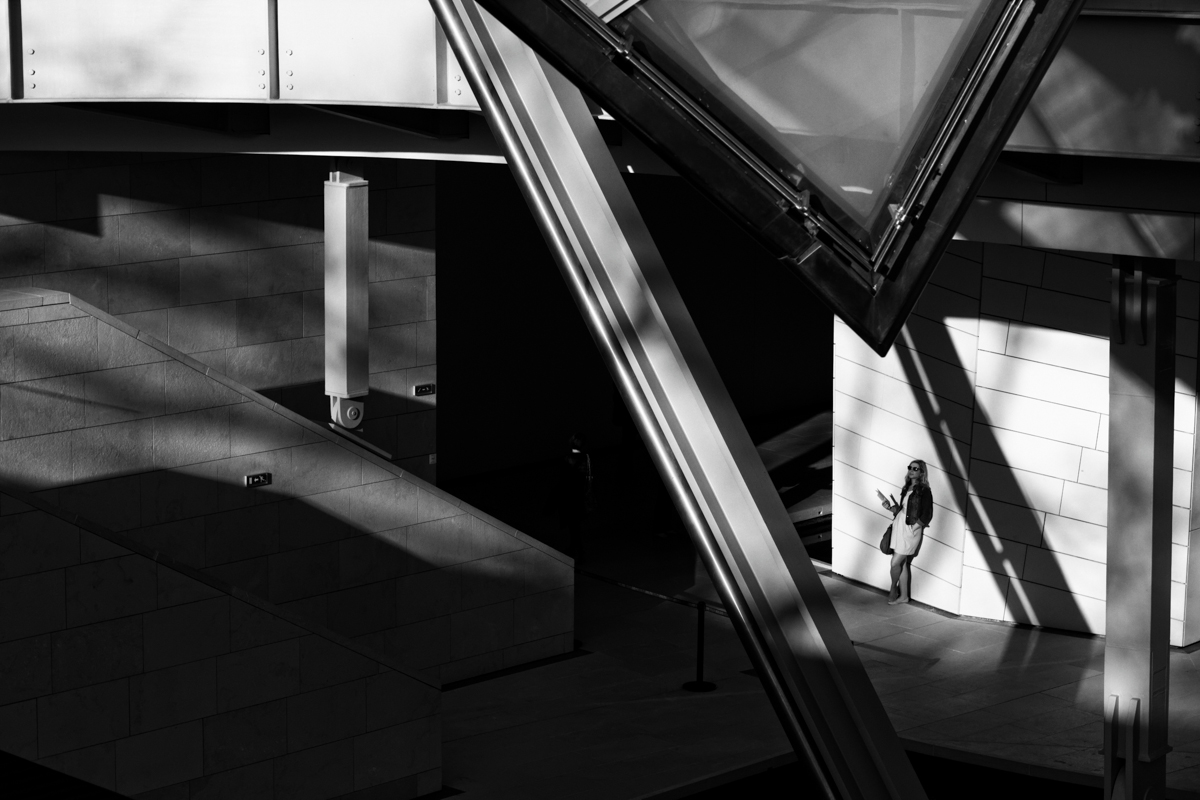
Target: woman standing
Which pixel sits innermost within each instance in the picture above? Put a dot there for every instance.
(916, 501)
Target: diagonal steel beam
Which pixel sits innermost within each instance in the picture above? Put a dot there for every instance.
(617, 277)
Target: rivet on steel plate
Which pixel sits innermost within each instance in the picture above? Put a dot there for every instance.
(289, 86)
(289, 72)
(458, 77)
(458, 91)
(289, 52)
(33, 72)
(262, 52)
(31, 51)
(33, 86)
(262, 86)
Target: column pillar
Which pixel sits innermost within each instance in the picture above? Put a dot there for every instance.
(1141, 437)
(346, 273)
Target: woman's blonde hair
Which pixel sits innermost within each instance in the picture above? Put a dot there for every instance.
(922, 480)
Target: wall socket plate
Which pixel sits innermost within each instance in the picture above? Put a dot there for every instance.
(259, 479)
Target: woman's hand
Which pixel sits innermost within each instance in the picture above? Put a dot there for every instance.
(887, 504)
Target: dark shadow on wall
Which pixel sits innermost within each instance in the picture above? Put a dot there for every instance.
(630, 532)
(64, 213)
(141, 233)
(954, 383)
(520, 373)
(519, 368)
(394, 590)
(378, 562)
(28, 780)
(82, 193)
(934, 338)
(145, 646)
(769, 337)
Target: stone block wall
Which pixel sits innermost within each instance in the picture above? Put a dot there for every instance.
(109, 423)
(915, 403)
(136, 674)
(222, 258)
(1042, 417)
(1000, 381)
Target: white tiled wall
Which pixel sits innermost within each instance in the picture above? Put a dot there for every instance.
(917, 402)
(1000, 382)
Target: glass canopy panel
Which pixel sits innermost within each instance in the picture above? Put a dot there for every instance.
(835, 94)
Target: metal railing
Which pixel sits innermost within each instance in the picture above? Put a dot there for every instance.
(702, 607)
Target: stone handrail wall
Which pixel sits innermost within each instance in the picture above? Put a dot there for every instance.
(105, 421)
(131, 671)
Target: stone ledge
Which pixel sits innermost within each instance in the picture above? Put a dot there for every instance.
(12, 299)
(311, 428)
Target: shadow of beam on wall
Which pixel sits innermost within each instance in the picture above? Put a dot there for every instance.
(1018, 604)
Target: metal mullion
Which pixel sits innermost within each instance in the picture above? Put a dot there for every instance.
(984, 73)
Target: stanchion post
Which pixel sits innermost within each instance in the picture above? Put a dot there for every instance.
(700, 685)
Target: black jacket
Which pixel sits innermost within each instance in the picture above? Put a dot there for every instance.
(920, 509)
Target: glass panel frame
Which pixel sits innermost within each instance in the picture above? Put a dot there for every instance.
(655, 29)
(872, 285)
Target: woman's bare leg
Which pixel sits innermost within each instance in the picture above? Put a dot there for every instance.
(905, 579)
(898, 563)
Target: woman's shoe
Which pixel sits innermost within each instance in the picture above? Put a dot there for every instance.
(898, 601)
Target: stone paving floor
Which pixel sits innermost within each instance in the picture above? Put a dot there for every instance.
(1020, 694)
(613, 723)
(616, 724)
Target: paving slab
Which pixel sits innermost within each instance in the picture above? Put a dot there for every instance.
(952, 686)
(615, 723)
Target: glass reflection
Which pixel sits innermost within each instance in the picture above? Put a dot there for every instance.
(832, 92)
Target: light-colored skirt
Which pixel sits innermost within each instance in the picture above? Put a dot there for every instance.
(906, 539)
